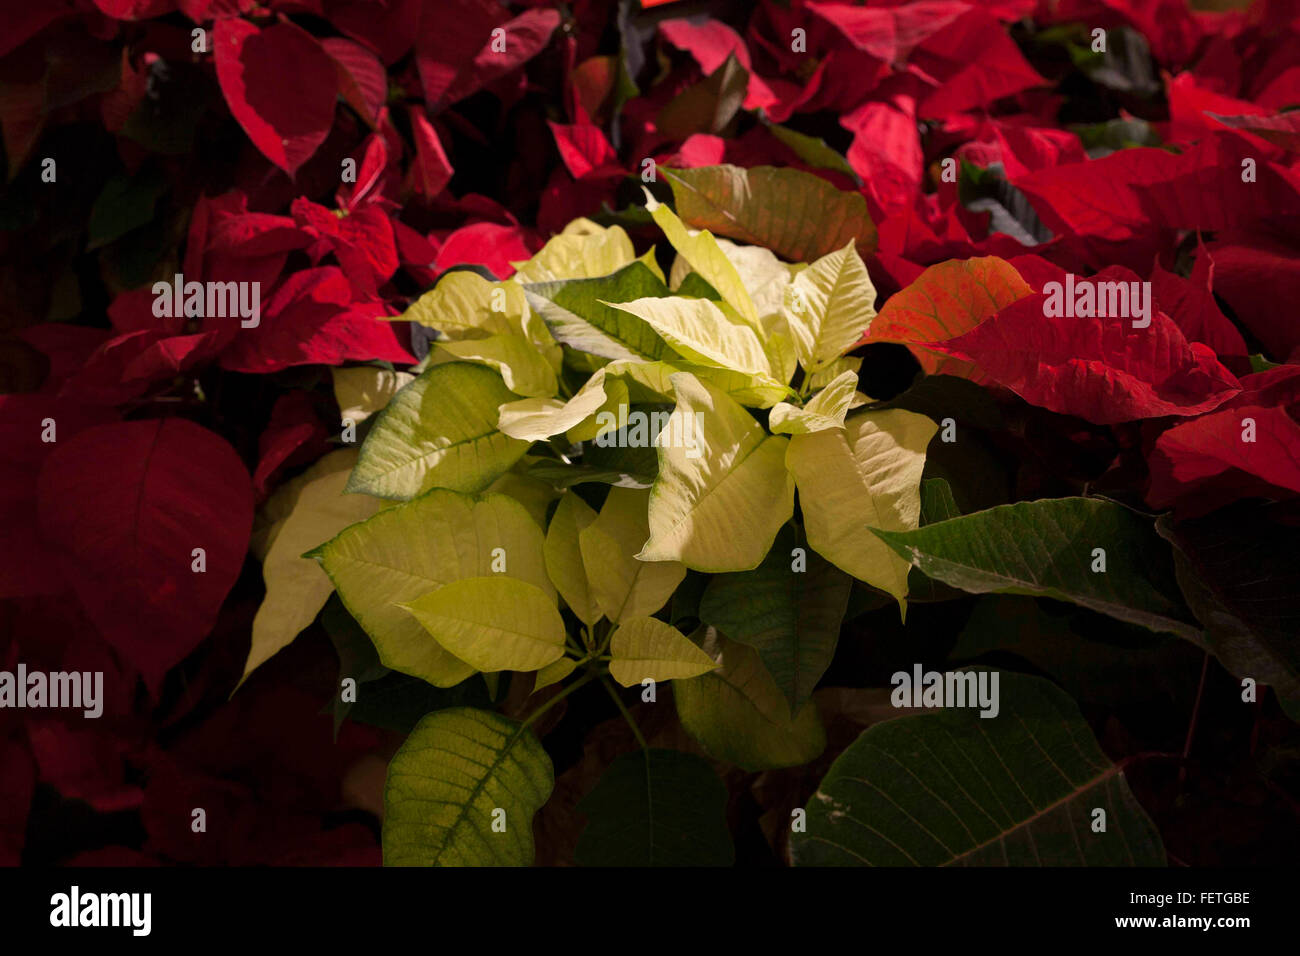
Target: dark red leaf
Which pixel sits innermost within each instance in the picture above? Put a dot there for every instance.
(127, 504)
(280, 85)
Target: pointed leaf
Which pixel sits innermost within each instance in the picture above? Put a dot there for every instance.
(1047, 548)
(438, 432)
(523, 368)
(702, 332)
(738, 714)
(579, 313)
(723, 490)
(701, 250)
(647, 649)
(622, 586)
(296, 587)
(952, 788)
(791, 617)
(405, 552)
(493, 623)
(657, 808)
(797, 215)
(832, 303)
(866, 476)
(826, 409)
(564, 557)
(944, 301)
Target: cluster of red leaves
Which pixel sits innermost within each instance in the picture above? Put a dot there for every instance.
(206, 137)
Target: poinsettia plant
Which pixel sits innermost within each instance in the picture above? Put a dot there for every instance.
(593, 477)
(1082, 520)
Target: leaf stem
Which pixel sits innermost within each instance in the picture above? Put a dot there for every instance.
(627, 714)
(1191, 724)
(582, 681)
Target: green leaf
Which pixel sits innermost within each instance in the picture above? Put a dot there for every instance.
(564, 557)
(797, 215)
(707, 106)
(791, 617)
(578, 313)
(723, 490)
(125, 203)
(867, 475)
(952, 788)
(738, 714)
(1046, 548)
(438, 432)
(622, 586)
(446, 782)
(936, 502)
(405, 552)
(813, 150)
(296, 588)
(831, 303)
(1093, 658)
(1237, 570)
(644, 648)
(656, 808)
(493, 623)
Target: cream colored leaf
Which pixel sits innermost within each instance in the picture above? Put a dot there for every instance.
(493, 623)
(866, 475)
(464, 305)
(554, 672)
(621, 585)
(701, 250)
(564, 556)
(831, 303)
(537, 419)
(826, 409)
(296, 587)
(404, 552)
(702, 332)
(364, 389)
(644, 648)
(523, 368)
(583, 250)
(723, 491)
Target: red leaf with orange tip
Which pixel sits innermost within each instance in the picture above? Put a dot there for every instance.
(1100, 369)
(946, 300)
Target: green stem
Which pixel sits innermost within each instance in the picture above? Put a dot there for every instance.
(627, 715)
(533, 717)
